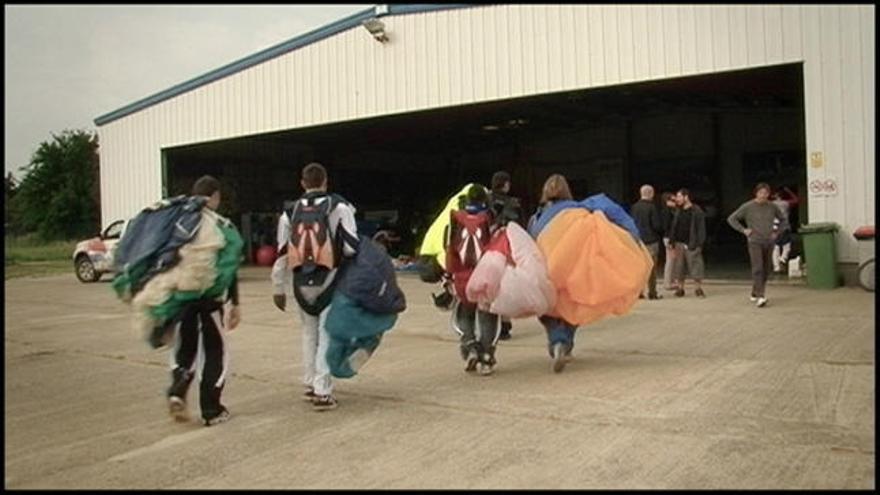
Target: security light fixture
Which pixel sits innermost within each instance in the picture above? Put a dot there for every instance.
(377, 29)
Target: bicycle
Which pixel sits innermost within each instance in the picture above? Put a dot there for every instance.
(865, 236)
(866, 275)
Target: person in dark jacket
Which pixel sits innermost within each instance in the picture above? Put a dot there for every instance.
(667, 211)
(647, 219)
(506, 209)
(687, 234)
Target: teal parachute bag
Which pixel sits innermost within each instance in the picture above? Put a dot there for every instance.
(365, 305)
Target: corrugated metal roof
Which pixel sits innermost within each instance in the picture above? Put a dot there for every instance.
(327, 31)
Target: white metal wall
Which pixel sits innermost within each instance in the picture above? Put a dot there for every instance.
(463, 56)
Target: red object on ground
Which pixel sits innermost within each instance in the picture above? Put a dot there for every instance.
(265, 256)
(864, 232)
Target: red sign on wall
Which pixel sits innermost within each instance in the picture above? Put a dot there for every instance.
(823, 187)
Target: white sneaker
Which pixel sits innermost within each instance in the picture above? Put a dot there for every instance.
(762, 301)
(559, 358)
(486, 369)
(753, 298)
(177, 409)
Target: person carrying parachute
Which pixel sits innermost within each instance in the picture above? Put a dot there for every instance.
(511, 278)
(177, 266)
(506, 209)
(314, 236)
(595, 260)
(432, 252)
(466, 240)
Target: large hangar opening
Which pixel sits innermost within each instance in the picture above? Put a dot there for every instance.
(716, 135)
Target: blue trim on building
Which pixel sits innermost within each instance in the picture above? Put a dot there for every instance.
(327, 31)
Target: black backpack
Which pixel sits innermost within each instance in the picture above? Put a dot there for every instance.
(313, 252)
(505, 209)
(311, 245)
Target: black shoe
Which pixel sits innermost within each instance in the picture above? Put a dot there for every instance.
(309, 394)
(443, 300)
(215, 419)
(679, 292)
(180, 381)
(472, 360)
(641, 296)
(161, 336)
(506, 326)
(324, 403)
(654, 297)
(699, 293)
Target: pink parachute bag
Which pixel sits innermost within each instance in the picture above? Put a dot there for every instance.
(511, 278)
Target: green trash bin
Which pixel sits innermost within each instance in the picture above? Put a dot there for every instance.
(820, 254)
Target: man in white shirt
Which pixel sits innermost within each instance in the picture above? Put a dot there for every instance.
(314, 234)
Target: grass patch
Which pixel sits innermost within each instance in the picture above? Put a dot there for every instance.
(29, 248)
(28, 256)
(38, 269)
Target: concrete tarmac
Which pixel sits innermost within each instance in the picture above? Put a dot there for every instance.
(681, 393)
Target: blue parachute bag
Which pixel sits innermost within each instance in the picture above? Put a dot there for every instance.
(615, 213)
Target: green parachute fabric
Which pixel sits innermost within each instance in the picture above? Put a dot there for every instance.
(206, 268)
(432, 245)
(227, 266)
(125, 279)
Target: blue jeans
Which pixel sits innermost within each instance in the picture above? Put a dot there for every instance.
(559, 331)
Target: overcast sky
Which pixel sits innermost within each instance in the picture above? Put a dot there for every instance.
(67, 64)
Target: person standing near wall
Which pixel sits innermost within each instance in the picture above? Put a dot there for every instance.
(647, 219)
(758, 214)
(782, 246)
(668, 209)
(687, 234)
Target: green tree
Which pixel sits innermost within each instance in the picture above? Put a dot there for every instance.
(8, 194)
(58, 195)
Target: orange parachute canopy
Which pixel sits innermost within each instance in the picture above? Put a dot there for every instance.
(598, 268)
